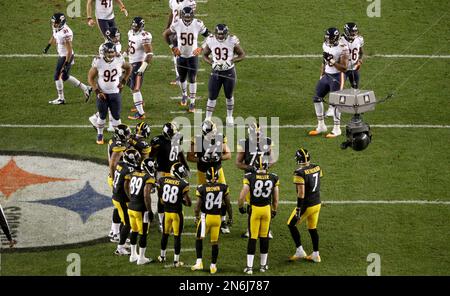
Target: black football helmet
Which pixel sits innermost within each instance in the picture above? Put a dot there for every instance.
(148, 165)
(142, 129)
(360, 141)
(187, 15)
(113, 34)
(132, 157)
(350, 31)
(221, 32)
(169, 130)
(109, 51)
(58, 21)
(212, 175)
(261, 163)
(332, 36)
(209, 129)
(122, 132)
(254, 132)
(302, 156)
(178, 171)
(137, 24)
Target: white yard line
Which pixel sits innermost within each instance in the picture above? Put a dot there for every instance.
(289, 126)
(255, 56)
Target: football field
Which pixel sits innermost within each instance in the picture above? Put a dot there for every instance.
(392, 199)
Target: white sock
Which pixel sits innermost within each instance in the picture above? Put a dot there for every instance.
(337, 117)
(100, 125)
(299, 250)
(176, 257)
(142, 253)
(175, 65)
(183, 86)
(134, 250)
(60, 88)
(319, 110)
(138, 102)
(264, 259)
(223, 218)
(116, 228)
(230, 106)
(250, 260)
(161, 217)
(192, 92)
(120, 247)
(163, 253)
(199, 260)
(210, 106)
(316, 253)
(110, 118)
(75, 82)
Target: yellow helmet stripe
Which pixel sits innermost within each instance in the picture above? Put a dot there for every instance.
(304, 154)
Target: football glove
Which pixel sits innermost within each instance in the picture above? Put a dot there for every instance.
(142, 68)
(196, 220)
(100, 95)
(124, 10)
(297, 213)
(46, 48)
(273, 214)
(242, 210)
(197, 51)
(230, 222)
(176, 51)
(90, 22)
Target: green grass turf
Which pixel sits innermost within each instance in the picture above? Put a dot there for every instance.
(400, 164)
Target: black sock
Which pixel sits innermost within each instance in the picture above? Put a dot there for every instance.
(124, 232)
(251, 246)
(199, 248)
(295, 235)
(177, 239)
(215, 253)
(315, 239)
(115, 216)
(133, 238)
(164, 240)
(264, 245)
(143, 241)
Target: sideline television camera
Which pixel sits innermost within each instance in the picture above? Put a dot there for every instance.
(356, 102)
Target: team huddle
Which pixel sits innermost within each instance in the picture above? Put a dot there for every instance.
(141, 167)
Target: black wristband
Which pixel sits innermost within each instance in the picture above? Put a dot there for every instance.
(300, 202)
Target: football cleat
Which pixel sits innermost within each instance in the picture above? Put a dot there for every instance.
(57, 102)
(143, 261)
(133, 259)
(191, 108)
(115, 238)
(161, 259)
(320, 129)
(110, 129)
(183, 100)
(264, 268)
(111, 234)
(87, 94)
(230, 121)
(100, 140)
(197, 266)
(212, 269)
(176, 81)
(136, 116)
(178, 264)
(121, 252)
(297, 256)
(224, 228)
(314, 258)
(248, 270)
(245, 234)
(334, 133)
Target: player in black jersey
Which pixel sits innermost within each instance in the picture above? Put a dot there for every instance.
(142, 180)
(139, 139)
(173, 190)
(209, 150)
(307, 182)
(120, 199)
(116, 146)
(263, 189)
(211, 196)
(248, 150)
(167, 150)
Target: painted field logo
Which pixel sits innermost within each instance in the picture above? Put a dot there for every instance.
(54, 201)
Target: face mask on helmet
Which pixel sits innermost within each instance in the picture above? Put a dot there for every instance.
(58, 21)
(332, 36)
(302, 156)
(187, 15)
(131, 157)
(169, 130)
(122, 132)
(221, 32)
(209, 129)
(178, 171)
(137, 24)
(350, 31)
(143, 130)
(149, 166)
(254, 132)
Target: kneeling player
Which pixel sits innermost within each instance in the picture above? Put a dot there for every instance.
(210, 198)
(140, 208)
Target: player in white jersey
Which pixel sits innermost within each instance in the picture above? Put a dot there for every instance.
(140, 54)
(63, 37)
(104, 12)
(175, 9)
(355, 44)
(187, 29)
(107, 77)
(113, 36)
(226, 51)
(334, 66)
